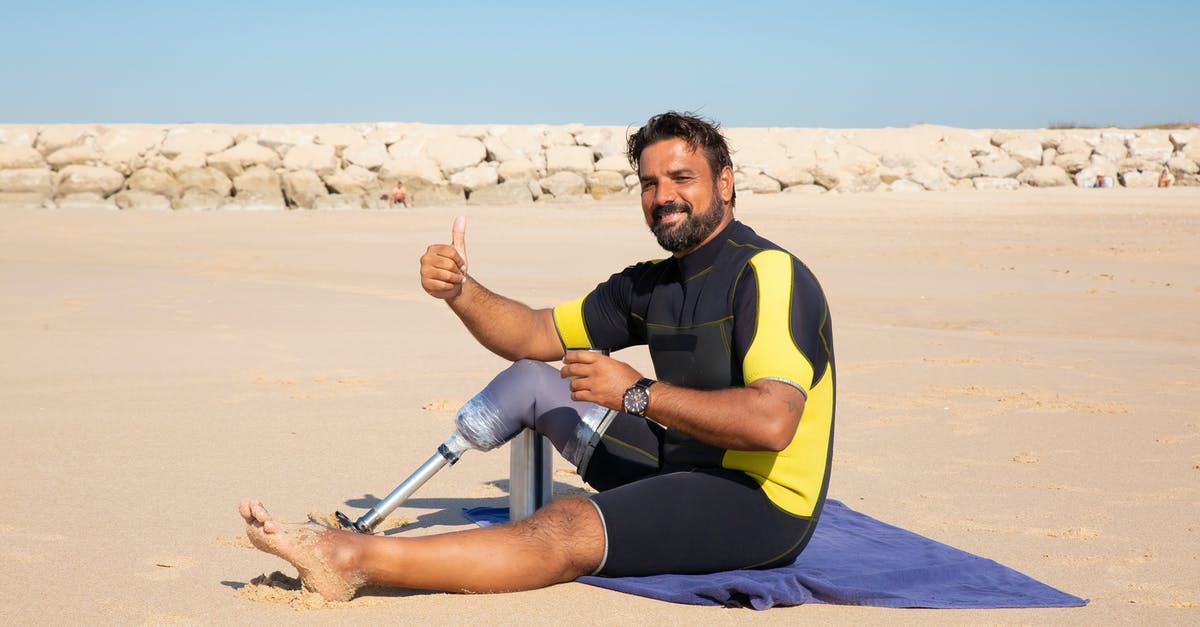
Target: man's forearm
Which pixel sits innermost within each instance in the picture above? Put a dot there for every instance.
(504, 326)
(760, 417)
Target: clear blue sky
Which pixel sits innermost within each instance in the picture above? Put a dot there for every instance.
(1018, 64)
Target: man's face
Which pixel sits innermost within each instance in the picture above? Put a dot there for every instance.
(683, 204)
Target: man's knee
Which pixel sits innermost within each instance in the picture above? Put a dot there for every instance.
(571, 532)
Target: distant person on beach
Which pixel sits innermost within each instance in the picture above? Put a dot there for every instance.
(1165, 179)
(398, 195)
(721, 463)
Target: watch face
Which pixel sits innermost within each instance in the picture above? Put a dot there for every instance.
(636, 399)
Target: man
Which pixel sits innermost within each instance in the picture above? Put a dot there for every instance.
(398, 195)
(721, 464)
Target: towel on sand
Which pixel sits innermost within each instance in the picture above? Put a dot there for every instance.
(852, 559)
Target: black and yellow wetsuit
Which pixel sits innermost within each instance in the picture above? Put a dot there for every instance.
(738, 310)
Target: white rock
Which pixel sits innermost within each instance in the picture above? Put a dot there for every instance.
(1072, 145)
(1073, 162)
(120, 146)
(74, 155)
(519, 169)
(198, 200)
(1151, 146)
(755, 182)
(508, 193)
(60, 136)
(188, 139)
(859, 183)
(185, 162)
(77, 179)
(614, 163)
(38, 181)
(515, 142)
(905, 185)
(17, 157)
(856, 160)
(141, 201)
(535, 189)
(805, 189)
(303, 187)
(1026, 151)
(964, 169)
(234, 161)
(827, 176)
(576, 159)
(85, 200)
(605, 183)
(1183, 165)
(930, 177)
(205, 179)
(1045, 176)
(563, 184)
(317, 158)
(281, 138)
(991, 184)
(453, 153)
(409, 169)
(791, 171)
(370, 155)
(18, 136)
(1112, 150)
(354, 179)
(1002, 167)
(443, 195)
(475, 177)
(154, 182)
(338, 136)
(558, 136)
(258, 185)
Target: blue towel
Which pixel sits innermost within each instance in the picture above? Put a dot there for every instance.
(852, 559)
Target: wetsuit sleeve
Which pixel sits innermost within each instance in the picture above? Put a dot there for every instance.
(781, 327)
(602, 318)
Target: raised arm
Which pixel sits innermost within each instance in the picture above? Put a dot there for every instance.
(504, 326)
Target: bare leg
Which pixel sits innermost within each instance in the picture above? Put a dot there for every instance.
(559, 543)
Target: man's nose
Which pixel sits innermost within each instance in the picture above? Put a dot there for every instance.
(664, 193)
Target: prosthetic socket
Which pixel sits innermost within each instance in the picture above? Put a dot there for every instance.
(527, 395)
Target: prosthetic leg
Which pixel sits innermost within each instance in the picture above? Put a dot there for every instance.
(527, 395)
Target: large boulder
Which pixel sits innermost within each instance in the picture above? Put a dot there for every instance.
(519, 169)
(791, 171)
(755, 182)
(1111, 149)
(120, 146)
(454, 153)
(182, 162)
(475, 177)
(318, 158)
(409, 169)
(507, 193)
(605, 183)
(77, 179)
(424, 194)
(930, 177)
(258, 187)
(563, 184)
(1151, 146)
(354, 179)
(339, 136)
(614, 163)
(234, 161)
(576, 159)
(18, 157)
(1000, 167)
(188, 139)
(53, 138)
(23, 136)
(74, 155)
(303, 187)
(198, 200)
(154, 181)
(1045, 176)
(1075, 161)
(992, 184)
(369, 155)
(514, 142)
(1025, 150)
(141, 201)
(36, 181)
(1139, 178)
(206, 179)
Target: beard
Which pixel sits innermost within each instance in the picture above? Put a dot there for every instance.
(691, 230)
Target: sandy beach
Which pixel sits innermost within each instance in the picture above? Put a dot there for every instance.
(1018, 377)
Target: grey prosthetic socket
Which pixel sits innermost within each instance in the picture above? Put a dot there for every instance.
(532, 395)
(526, 395)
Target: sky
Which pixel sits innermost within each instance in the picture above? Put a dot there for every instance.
(831, 64)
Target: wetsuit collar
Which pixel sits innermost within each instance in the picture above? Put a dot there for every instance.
(701, 258)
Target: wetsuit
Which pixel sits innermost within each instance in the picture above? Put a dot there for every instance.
(737, 310)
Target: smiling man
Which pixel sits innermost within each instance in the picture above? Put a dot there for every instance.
(719, 462)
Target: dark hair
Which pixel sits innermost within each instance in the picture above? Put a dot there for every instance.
(699, 133)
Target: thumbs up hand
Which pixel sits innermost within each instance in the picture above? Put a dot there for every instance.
(444, 267)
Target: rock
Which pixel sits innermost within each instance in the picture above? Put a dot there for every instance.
(139, 200)
(1048, 156)
(558, 136)
(576, 159)
(410, 169)
(188, 139)
(1137, 178)
(185, 162)
(453, 153)
(1151, 146)
(805, 189)
(154, 181)
(827, 177)
(317, 158)
(120, 146)
(339, 137)
(1179, 139)
(508, 193)
(355, 180)
(887, 175)
(999, 138)
(60, 136)
(519, 169)
(1182, 165)
(234, 161)
(475, 177)
(791, 172)
(1045, 176)
(369, 155)
(340, 202)
(514, 142)
(859, 183)
(855, 160)
(16, 157)
(564, 184)
(614, 163)
(25, 199)
(605, 183)
(1073, 162)
(991, 183)
(36, 181)
(1026, 151)
(85, 200)
(905, 185)
(303, 187)
(1111, 150)
(83, 179)
(535, 189)
(438, 195)
(22, 136)
(258, 187)
(282, 138)
(1087, 176)
(206, 179)
(930, 177)
(961, 169)
(1071, 145)
(198, 200)
(1002, 167)
(755, 183)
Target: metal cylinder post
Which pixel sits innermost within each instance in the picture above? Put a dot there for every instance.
(530, 477)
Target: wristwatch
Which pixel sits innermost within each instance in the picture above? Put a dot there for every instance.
(637, 397)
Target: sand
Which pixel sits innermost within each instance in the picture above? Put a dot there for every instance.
(1017, 377)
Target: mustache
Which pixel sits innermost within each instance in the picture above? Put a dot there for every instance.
(671, 207)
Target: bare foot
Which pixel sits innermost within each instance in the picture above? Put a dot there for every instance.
(312, 549)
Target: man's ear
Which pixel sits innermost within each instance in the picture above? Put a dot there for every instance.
(725, 184)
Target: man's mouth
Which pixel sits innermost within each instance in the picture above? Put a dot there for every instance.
(671, 213)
